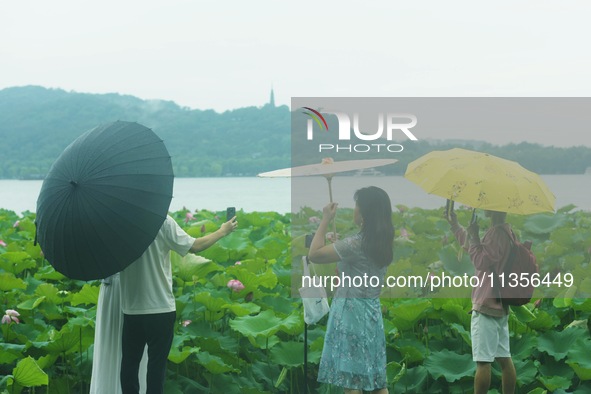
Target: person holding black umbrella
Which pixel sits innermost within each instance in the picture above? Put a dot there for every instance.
(148, 303)
(103, 209)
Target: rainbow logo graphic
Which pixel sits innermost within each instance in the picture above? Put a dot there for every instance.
(318, 118)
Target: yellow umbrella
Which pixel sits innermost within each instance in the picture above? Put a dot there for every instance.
(481, 181)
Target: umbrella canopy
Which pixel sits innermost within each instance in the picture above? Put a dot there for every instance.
(327, 167)
(104, 200)
(481, 181)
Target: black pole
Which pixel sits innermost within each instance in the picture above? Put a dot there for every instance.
(305, 358)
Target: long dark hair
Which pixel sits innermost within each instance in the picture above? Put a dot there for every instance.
(377, 230)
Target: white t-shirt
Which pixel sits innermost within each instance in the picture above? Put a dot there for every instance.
(146, 284)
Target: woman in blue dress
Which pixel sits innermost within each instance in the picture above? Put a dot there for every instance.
(354, 354)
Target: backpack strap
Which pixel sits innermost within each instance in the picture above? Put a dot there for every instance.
(512, 252)
(513, 242)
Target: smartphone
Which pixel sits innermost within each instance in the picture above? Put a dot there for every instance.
(230, 213)
(309, 238)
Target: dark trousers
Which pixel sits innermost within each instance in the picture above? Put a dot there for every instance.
(155, 330)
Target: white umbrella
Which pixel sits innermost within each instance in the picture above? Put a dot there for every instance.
(327, 168)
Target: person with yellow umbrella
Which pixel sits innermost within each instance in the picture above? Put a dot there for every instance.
(489, 327)
(499, 187)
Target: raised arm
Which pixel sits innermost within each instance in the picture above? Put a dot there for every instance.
(206, 241)
(319, 252)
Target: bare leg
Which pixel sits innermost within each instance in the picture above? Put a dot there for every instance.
(353, 391)
(482, 378)
(509, 374)
(380, 391)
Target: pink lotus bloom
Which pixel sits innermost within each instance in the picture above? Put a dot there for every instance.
(16, 224)
(314, 220)
(235, 285)
(10, 316)
(185, 323)
(238, 263)
(2, 243)
(402, 208)
(331, 236)
(189, 216)
(404, 233)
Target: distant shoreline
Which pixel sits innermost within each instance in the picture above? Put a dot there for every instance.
(42, 177)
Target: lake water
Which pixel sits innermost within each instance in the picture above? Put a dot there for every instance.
(275, 194)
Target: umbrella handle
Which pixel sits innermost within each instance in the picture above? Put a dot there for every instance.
(474, 218)
(329, 180)
(449, 208)
(334, 222)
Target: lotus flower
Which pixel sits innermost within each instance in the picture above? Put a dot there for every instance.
(189, 216)
(2, 243)
(185, 323)
(238, 263)
(332, 237)
(235, 285)
(404, 233)
(314, 220)
(16, 224)
(10, 316)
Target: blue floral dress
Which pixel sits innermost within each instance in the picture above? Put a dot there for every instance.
(354, 354)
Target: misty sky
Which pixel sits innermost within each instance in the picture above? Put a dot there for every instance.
(227, 54)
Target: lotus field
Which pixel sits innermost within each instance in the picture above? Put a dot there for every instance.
(240, 330)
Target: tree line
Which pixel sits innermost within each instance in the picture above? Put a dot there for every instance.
(38, 123)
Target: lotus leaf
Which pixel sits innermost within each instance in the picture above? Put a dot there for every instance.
(289, 354)
(8, 282)
(28, 374)
(214, 364)
(87, 295)
(559, 343)
(450, 365)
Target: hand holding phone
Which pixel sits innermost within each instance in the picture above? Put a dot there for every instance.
(230, 213)
(309, 238)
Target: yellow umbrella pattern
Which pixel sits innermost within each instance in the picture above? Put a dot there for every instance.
(481, 181)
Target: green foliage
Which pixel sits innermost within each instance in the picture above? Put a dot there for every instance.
(252, 340)
(39, 123)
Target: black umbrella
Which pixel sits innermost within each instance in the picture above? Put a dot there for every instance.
(104, 200)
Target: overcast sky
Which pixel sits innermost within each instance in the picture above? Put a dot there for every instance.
(227, 54)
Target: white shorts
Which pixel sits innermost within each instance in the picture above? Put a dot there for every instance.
(490, 337)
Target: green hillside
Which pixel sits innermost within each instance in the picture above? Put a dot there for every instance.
(36, 124)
